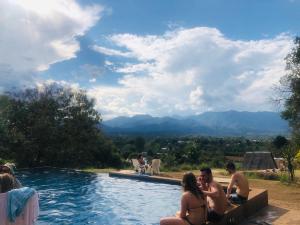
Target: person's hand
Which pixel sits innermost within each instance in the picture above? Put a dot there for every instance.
(203, 186)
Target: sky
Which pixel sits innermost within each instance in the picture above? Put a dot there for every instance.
(162, 58)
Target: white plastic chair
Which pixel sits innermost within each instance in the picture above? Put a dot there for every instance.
(155, 166)
(135, 164)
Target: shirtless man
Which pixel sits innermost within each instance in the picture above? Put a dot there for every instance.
(241, 183)
(216, 198)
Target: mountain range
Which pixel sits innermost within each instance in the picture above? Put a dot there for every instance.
(228, 123)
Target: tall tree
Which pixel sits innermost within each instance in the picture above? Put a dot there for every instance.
(290, 91)
(4, 140)
(291, 87)
(55, 125)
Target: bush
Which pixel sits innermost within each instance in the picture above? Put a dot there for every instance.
(265, 174)
(284, 177)
(189, 167)
(169, 169)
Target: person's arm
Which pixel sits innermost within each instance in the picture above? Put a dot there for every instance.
(183, 209)
(214, 191)
(230, 186)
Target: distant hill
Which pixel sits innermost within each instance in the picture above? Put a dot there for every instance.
(229, 123)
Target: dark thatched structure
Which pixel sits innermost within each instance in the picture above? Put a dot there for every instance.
(259, 161)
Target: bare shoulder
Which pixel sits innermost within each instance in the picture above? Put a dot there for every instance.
(185, 197)
(239, 175)
(186, 194)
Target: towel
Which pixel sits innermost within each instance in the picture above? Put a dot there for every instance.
(16, 201)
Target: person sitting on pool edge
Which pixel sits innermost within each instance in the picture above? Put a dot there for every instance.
(17, 206)
(241, 183)
(216, 198)
(6, 182)
(142, 163)
(193, 204)
(9, 168)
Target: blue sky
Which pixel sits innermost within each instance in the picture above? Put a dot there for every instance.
(164, 58)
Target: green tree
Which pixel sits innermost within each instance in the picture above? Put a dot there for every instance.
(289, 153)
(59, 126)
(291, 88)
(140, 144)
(4, 140)
(278, 144)
(280, 141)
(290, 94)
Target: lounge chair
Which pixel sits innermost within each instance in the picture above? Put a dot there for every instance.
(136, 165)
(155, 166)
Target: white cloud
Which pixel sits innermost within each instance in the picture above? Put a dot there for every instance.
(111, 52)
(189, 71)
(35, 34)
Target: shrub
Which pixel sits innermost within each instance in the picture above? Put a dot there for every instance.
(265, 174)
(284, 177)
(189, 167)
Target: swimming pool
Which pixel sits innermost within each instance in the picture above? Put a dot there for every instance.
(72, 197)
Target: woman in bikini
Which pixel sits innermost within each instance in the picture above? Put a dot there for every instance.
(193, 204)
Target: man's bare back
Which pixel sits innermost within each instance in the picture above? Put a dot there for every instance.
(242, 184)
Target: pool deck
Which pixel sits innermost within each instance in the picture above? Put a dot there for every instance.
(235, 214)
(130, 174)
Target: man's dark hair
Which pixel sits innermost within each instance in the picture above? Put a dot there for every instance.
(230, 166)
(206, 170)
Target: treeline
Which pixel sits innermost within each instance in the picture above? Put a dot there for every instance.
(53, 126)
(193, 151)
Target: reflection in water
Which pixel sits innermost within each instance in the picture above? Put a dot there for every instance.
(72, 197)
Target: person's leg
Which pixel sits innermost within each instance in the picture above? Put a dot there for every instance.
(172, 221)
(236, 199)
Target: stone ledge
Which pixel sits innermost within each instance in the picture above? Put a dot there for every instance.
(257, 200)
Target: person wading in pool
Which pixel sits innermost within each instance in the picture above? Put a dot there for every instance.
(216, 198)
(193, 204)
(241, 183)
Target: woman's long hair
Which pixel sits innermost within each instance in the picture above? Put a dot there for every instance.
(6, 182)
(189, 183)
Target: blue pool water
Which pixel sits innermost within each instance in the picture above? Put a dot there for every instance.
(72, 197)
